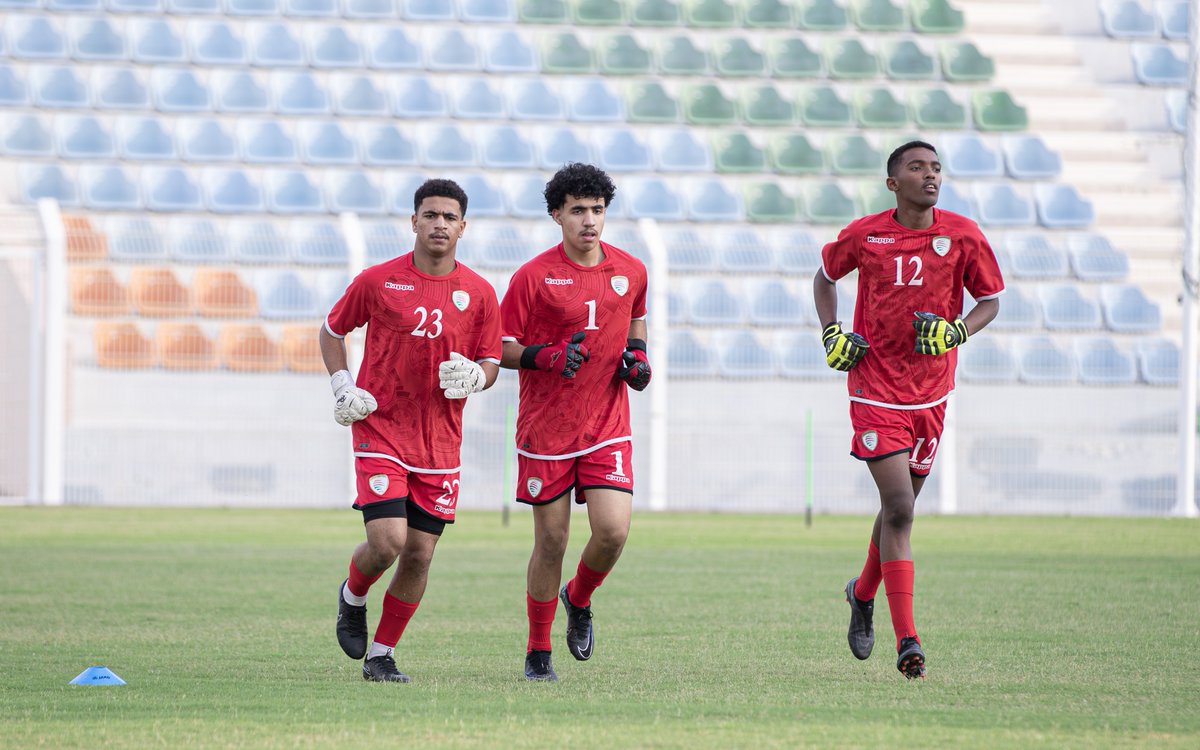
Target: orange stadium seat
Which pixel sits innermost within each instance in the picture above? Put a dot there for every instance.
(95, 291)
(220, 293)
(247, 348)
(83, 241)
(183, 346)
(122, 346)
(158, 293)
(301, 350)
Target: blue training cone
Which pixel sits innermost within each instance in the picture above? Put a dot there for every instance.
(97, 676)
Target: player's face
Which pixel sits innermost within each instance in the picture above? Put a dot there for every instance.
(582, 222)
(918, 180)
(438, 223)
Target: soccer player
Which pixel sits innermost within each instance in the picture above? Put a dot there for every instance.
(913, 264)
(574, 325)
(433, 340)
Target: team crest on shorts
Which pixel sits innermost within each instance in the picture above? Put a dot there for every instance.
(620, 284)
(378, 483)
(461, 299)
(870, 439)
(534, 485)
(941, 245)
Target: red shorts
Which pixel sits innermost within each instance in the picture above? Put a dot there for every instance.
(540, 480)
(380, 480)
(880, 432)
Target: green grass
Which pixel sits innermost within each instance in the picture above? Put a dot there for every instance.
(715, 631)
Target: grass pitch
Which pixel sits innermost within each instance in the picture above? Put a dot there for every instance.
(715, 631)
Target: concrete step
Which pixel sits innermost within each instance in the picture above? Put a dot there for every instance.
(1007, 16)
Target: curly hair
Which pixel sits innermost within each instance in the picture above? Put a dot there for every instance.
(581, 181)
(440, 189)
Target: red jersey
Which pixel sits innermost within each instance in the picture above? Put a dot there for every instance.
(550, 298)
(902, 271)
(416, 320)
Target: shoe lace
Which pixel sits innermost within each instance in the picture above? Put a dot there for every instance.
(387, 663)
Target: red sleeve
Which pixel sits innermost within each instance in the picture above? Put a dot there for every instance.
(639, 302)
(840, 257)
(352, 310)
(490, 346)
(514, 308)
(982, 276)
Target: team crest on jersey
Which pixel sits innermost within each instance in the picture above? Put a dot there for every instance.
(534, 485)
(378, 483)
(941, 245)
(460, 299)
(870, 439)
(620, 284)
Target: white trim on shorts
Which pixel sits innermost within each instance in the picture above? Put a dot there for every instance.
(900, 407)
(413, 469)
(576, 454)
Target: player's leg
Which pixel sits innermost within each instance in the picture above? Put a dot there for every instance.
(551, 529)
(897, 501)
(609, 513)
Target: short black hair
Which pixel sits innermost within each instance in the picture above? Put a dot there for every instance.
(581, 181)
(893, 161)
(440, 189)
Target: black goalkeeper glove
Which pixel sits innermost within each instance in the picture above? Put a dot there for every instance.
(843, 350)
(566, 356)
(936, 335)
(634, 367)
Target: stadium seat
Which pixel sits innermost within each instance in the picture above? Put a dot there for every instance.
(1127, 19)
(707, 104)
(170, 189)
(1174, 17)
(1128, 310)
(648, 101)
(962, 61)
(821, 15)
(987, 360)
(950, 199)
(452, 49)
(115, 88)
(1093, 258)
(854, 155)
(155, 41)
(84, 241)
(1002, 205)
(595, 101)
(677, 150)
(427, 10)
(445, 146)
(369, 9)
(768, 202)
(476, 11)
(301, 350)
(505, 248)
(508, 52)
(96, 39)
(736, 152)
(177, 90)
(773, 304)
(799, 252)
(937, 109)
(823, 107)
(935, 17)
(906, 60)
(710, 13)
(358, 95)
(764, 106)
(874, 197)
(26, 135)
(687, 357)
(258, 242)
(877, 108)
(1017, 311)
(504, 148)
(792, 153)
(1041, 362)
(597, 12)
(849, 59)
(742, 250)
(622, 55)
(273, 45)
(282, 295)
(534, 99)
(333, 47)
(653, 198)
(239, 92)
(1158, 361)
(734, 57)
(542, 11)
(96, 292)
(1028, 158)
(353, 191)
(654, 13)
(710, 200)
(48, 181)
(157, 293)
(35, 38)
(1061, 207)
(191, 241)
(826, 203)
(687, 252)
(292, 192)
(247, 348)
(678, 55)
(266, 142)
(254, 7)
(476, 99)
(206, 140)
(299, 94)
(383, 241)
(621, 150)
(879, 15)
(802, 355)
(135, 240)
(121, 346)
(216, 43)
(1101, 362)
(562, 146)
(485, 199)
(996, 110)
(968, 155)
(564, 52)
(740, 354)
(712, 304)
(1065, 308)
(417, 99)
(184, 346)
(1033, 256)
(791, 57)
(54, 87)
(390, 48)
(319, 243)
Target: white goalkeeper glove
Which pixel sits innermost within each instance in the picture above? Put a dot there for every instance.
(351, 403)
(460, 377)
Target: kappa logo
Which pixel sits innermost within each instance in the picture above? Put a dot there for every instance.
(378, 483)
(399, 287)
(941, 245)
(534, 485)
(559, 282)
(881, 240)
(620, 285)
(870, 439)
(460, 299)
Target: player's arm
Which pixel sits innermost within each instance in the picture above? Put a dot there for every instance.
(842, 350)
(564, 357)
(634, 365)
(350, 403)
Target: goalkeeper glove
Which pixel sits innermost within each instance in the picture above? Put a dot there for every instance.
(634, 367)
(460, 377)
(936, 335)
(569, 353)
(843, 350)
(350, 403)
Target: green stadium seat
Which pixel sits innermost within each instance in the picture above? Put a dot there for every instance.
(791, 57)
(879, 15)
(565, 53)
(649, 102)
(996, 110)
(734, 57)
(937, 109)
(598, 12)
(706, 104)
(710, 13)
(792, 153)
(874, 197)
(766, 202)
(878, 108)
(821, 15)
(821, 106)
(735, 152)
(764, 106)
(655, 13)
(543, 11)
(678, 55)
(904, 60)
(935, 17)
(771, 14)
(825, 203)
(854, 154)
(850, 59)
(623, 55)
(962, 61)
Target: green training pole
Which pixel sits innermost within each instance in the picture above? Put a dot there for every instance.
(808, 467)
(510, 457)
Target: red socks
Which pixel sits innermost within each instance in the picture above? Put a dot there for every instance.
(871, 575)
(394, 619)
(898, 581)
(541, 617)
(586, 581)
(358, 583)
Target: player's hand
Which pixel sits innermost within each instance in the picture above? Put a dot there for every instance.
(565, 357)
(350, 403)
(843, 350)
(634, 367)
(460, 377)
(936, 335)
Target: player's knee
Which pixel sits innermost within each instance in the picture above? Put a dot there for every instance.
(416, 561)
(551, 543)
(610, 542)
(898, 512)
(387, 547)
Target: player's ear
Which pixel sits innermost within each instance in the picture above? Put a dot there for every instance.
(556, 214)
(462, 226)
(892, 184)
(414, 223)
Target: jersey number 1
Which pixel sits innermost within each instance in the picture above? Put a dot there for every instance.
(591, 324)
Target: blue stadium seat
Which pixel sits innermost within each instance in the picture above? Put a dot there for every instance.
(1101, 362)
(688, 357)
(205, 140)
(311, 8)
(177, 90)
(504, 148)
(446, 146)
(96, 39)
(282, 296)
(83, 137)
(292, 192)
(740, 354)
(1158, 361)
(1065, 308)
(968, 155)
(1042, 362)
(653, 198)
(802, 355)
(487, 10)
(273, 45)
(505, 247)
(26, 135)
(197, 242)
(710, 200)
(1174, 17)
(216, 43)
(54, 4)
(1157, 64)
(1003, 205)
(477, 99)
(383, 241)
(1018, 312)
(524, 193)
(317, 243)
(562, 146)
(416, 98)
(58, 87)
(253, 7)
(678, 150)
(258, 242)
(115, 88)
(1033, 256)
(240, 91)
(390, 48)
(13, 90)
(1128, 310)
(452, 49)
(1093, 258)
(135, 240)
(1127, 19)
(355, 192)
(333, 47)
(358, 95)
(369, 9)
(534, 99)
(799, 252)
(266, 142)
(35, 38)
(508, 52)
(1061, 207)
(676, 309)
(326, 143)
(742, 250)
(595, 101)
(987, 360)
(1028, 158)
(108, 187)
(827, 203)
(773, 304)
(170, 189)
(400, 189)
(299, 94)
(484, 198)
(231, 191)
(621, 150)
(202, 7)
(712, 304)
(688, 252)
(950, 199)
(385, 145)
(155, 41)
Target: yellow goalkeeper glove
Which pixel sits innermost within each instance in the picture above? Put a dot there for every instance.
(843, 350)
(936, 335)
